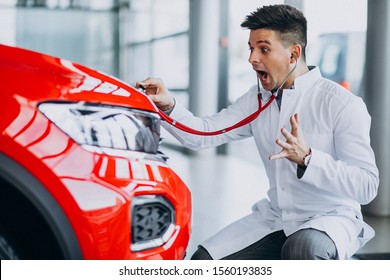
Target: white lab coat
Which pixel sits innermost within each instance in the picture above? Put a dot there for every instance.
(341, 176)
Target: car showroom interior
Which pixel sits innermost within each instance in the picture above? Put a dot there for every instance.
(90, 170)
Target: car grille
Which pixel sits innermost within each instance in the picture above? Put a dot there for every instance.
(152, 222)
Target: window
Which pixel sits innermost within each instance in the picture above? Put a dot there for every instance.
(156, 39)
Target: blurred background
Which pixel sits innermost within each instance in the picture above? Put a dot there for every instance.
(199, 49)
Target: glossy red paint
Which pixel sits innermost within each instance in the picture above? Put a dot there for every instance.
(93, 190)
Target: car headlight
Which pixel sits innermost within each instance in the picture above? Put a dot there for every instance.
(112, 127)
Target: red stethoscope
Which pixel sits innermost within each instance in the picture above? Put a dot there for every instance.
(241, 123)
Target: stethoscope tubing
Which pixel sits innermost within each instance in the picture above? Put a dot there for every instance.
(241, 123)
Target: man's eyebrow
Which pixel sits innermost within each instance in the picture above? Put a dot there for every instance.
(261, 42)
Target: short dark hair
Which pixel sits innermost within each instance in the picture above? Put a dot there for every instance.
(289, 23)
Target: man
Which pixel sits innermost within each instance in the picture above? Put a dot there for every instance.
(314, 142)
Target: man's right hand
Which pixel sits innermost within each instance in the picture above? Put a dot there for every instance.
(157, 92)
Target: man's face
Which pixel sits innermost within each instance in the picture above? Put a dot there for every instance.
(269, 58)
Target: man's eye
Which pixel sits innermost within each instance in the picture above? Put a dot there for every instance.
(264, 50)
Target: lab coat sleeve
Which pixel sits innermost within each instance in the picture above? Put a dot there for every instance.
(352, 171)
(225, 118)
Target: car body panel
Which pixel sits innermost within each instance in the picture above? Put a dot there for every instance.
(55, 78)
(94, 189)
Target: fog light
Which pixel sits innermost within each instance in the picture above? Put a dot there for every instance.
(152, 222)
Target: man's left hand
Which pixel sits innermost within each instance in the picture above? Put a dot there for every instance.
(294, 148)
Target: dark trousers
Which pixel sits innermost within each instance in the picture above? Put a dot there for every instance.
(305, 244)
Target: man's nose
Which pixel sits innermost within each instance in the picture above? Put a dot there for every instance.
(254, 58)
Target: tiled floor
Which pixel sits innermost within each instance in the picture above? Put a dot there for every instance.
(225, 187)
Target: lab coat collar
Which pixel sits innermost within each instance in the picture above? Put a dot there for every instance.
(308, 79)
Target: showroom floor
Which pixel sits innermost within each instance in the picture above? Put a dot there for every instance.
(225, 187)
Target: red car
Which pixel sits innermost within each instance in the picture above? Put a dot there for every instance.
(81, 175)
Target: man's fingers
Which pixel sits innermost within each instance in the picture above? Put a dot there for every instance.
(157, 82)
(290, 137)
(282, 154)
(283, 144)
(294, 124)
(151, 85)
(296, 118)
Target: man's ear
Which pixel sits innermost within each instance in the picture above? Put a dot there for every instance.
(296, 51)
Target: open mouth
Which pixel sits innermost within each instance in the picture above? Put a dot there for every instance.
(263, 75)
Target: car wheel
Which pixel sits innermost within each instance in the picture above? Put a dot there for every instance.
(7, 250)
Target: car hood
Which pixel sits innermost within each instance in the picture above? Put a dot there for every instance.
(39, 77)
